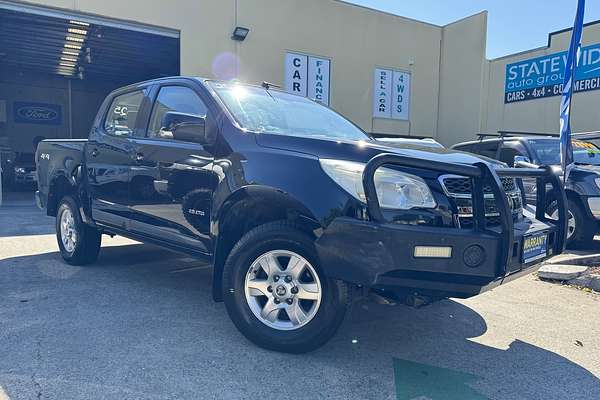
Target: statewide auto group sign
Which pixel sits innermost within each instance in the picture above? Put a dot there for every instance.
(543, 76)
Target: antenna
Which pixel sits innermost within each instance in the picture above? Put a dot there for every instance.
(268, 85)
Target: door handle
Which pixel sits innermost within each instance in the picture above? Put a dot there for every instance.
(95, 153)
(139, 157)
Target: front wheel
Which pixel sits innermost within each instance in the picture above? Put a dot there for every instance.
(275, 291)
(79, 243)
(579, 232)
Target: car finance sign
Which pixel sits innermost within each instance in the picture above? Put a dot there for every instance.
(308, 76)
(36, 113)
(543, 76)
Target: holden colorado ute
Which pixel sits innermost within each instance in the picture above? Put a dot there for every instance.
(297, 209)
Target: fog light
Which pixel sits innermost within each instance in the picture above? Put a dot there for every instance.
(474, 256)
(433, 251)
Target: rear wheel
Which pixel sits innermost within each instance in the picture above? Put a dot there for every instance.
(276, 293)
(79, 243)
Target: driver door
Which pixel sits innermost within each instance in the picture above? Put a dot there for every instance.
(172, 181)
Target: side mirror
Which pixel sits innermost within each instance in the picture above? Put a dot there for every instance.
(521, 159)
(184, 127)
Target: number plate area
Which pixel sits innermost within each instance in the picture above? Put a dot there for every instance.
(534, 247)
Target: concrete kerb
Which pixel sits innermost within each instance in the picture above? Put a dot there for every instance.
(580, 270)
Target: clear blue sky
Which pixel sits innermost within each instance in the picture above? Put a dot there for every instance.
(513, 25)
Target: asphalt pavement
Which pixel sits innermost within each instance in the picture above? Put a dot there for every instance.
(141, 324)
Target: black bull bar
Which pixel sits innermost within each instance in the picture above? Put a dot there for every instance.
(481, 174)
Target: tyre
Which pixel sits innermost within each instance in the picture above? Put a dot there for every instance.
(579, 232)
(276, 293)
(79, 243)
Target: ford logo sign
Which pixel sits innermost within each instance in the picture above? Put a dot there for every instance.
(37, 113)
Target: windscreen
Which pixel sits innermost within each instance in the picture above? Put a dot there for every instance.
(548, 152)
(260, 110)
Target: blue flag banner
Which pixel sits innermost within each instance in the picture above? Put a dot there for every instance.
(573, 57)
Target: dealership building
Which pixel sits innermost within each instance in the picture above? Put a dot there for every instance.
(387, 73)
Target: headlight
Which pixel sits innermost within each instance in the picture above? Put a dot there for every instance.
(20, 170)
(396, 190)
(597, 180)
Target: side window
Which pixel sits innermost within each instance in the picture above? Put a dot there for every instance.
(486, 149)
(174, 98)
(508, 156)
(123, 113)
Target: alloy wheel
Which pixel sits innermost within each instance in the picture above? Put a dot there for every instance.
(283, 290)
(68, 233)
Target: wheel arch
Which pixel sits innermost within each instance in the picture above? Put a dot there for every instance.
(573, 196)
(244, 210)
(60, 185)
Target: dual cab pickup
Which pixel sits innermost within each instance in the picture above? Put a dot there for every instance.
(296, 208)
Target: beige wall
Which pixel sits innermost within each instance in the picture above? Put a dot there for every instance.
(539, 115)
(355, 39)
(455, 93)
(462, 73)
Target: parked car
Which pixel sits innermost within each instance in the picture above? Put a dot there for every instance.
(583, 184)
(23, 167)
(427, 142)
(297, 209)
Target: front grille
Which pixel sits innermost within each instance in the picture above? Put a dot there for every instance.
(458, 185)
(458, 188)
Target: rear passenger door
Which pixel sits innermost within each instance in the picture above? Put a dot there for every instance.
(108, 155)
(172, 181)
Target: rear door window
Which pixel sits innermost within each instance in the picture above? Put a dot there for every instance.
(123, 114)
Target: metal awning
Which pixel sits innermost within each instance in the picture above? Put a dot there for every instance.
(84, 47)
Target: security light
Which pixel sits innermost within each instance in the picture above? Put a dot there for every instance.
(240, 33)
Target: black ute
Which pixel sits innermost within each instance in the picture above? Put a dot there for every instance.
(296, 207)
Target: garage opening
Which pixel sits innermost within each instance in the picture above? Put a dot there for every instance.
(55, 70)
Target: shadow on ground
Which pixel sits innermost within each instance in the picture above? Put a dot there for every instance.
(141, 324)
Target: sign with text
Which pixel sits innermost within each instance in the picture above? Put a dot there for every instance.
(308, 76)
(37, 113)
(400, 95)
(543, 76)
(391, 94)
(382, 93)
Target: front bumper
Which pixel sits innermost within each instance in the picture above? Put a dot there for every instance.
(28, 177)
(383, 256)
(377, 253)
